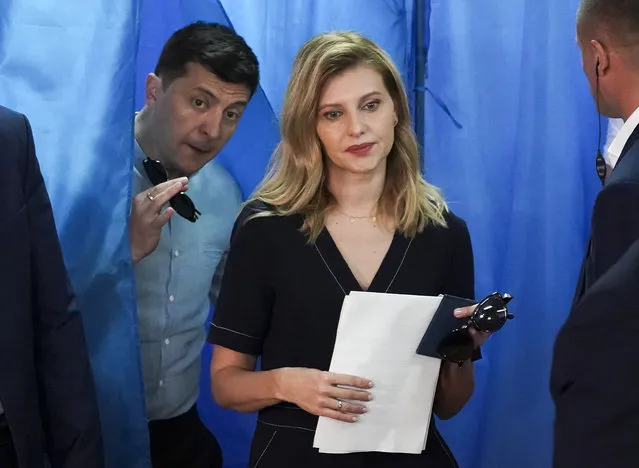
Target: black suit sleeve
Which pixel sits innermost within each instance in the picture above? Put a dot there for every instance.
(67, 393)
(615, 225)
(594, 382)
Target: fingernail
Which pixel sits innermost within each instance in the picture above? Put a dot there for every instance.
(370, 396)
(370, 384)
(458, 312)
(364, 409)
(355, 418)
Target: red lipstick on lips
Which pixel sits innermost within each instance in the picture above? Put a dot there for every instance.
(360, 150)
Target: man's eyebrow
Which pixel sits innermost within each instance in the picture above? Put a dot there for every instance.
(238, 103)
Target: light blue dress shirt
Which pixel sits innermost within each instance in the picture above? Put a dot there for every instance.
(173, 286)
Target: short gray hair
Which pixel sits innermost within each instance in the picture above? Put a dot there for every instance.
(620, 18)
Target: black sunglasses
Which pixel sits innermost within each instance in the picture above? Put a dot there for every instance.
(490, 315)
(181, 202)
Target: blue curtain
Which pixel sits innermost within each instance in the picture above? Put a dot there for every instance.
(70, 67)
(521, 172)
(505, 110)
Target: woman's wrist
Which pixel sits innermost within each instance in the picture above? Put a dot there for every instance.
(279, 378)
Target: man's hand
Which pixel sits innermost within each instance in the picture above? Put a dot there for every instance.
(147, 217)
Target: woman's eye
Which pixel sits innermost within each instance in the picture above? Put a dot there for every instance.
(371, 105)
(332, 115)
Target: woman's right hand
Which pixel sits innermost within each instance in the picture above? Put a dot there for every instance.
(320, 393)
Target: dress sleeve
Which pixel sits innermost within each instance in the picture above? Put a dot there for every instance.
(460, 280)
(242, 314)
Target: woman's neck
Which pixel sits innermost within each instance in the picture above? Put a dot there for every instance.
(356, 194)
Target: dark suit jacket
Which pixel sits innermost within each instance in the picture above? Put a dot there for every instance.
(615, 218)
(595, 377)
(595, 372)
(46, 383)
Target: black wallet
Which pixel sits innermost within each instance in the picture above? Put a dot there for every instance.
(444, 322)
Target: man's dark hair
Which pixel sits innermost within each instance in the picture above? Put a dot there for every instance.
(620, 18)
(214, 46)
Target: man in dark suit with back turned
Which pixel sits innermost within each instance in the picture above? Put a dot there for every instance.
(596, 378)
(595, 374)
(48, 407)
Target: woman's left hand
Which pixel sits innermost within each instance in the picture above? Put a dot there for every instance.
(479, 337)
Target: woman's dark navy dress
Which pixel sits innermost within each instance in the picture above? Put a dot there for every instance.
(281, 298)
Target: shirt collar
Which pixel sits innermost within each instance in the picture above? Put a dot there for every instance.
(138, 155)
(616, 147)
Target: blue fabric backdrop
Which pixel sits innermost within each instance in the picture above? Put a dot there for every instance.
(510, 138)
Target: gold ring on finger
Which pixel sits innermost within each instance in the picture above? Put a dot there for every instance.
(339, 405)
(150, 196)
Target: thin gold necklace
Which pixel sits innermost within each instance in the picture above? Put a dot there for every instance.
(352, 219)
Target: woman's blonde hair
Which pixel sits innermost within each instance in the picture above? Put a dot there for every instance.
(296, 182)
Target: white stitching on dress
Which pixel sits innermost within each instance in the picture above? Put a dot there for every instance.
(265, 449)
(400, 265)
(329, 269)
(392, 280)
(289, 427)
(236, 332)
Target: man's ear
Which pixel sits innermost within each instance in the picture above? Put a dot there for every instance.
(153, 86)
(602, 58)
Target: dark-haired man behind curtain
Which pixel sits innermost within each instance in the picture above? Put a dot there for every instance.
(203, 81)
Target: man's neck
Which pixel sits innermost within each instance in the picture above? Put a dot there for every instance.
(143, 136)
(356, 194)
(628, 107)
(628, 95)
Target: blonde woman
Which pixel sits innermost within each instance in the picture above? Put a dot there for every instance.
(343, 208)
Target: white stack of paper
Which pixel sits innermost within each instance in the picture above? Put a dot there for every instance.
(377, 339)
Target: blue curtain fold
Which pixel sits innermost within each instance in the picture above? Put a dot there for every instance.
(70, 67)
(521, 172)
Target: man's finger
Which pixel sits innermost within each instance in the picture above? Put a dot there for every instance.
(159, 188)
(163, 218)
(163, 193)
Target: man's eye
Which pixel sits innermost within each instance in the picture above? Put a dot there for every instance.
(198, 102)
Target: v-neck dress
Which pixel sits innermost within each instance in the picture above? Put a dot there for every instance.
(281, 298)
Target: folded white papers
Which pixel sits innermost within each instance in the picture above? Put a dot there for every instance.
(377, 339)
